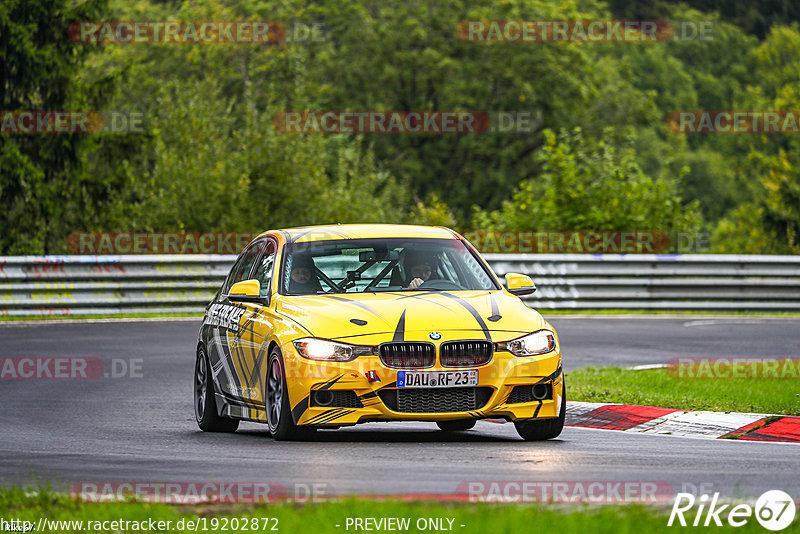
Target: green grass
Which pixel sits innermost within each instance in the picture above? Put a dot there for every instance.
(323, 517)
(663, 387)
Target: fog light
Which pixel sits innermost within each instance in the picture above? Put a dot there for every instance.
(323, 397)
(539, 391)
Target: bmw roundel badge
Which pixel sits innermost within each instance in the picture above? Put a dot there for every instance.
(435, 336)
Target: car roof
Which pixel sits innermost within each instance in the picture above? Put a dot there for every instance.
(360, 231)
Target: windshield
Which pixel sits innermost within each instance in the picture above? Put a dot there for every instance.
(371, 265)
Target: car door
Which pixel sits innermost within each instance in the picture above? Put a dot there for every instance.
(227, 322)
(249, 349)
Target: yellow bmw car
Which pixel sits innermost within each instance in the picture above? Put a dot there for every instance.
(328, 326)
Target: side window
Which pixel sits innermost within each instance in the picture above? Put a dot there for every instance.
(243, 265)
(264, 270)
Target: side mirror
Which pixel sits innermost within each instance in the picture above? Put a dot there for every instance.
(246, 291)
(519, 284)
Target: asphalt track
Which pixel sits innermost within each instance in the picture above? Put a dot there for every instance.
(143, 428)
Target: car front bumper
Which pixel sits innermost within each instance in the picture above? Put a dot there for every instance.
(373, 383)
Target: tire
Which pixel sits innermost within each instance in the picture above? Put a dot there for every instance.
(205, 406)
(540, 430)
(457, 425)
(276, 400)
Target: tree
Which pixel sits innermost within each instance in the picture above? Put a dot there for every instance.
(40, 191)
(585, 186)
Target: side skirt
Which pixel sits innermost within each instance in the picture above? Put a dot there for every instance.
(228, 408)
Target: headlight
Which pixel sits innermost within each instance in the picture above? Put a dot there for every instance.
(330, 351)
(540, 342)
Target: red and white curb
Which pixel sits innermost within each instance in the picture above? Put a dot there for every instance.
(695, 424)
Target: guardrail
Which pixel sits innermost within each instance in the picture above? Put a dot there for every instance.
(79, 285)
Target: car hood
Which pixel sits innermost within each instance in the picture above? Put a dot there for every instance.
(412, 315)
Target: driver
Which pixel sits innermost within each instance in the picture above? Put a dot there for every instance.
(419, 269)
(304, 279)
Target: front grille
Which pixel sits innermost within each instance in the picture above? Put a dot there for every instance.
(522, 394)
(341, 399)
(465, 353)
(441, 400)
(407, 355)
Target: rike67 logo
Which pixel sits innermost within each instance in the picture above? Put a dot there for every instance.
(774, 510)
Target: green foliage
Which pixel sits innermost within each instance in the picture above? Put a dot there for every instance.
(582, 186)
(211, 159)
(408, 56)
(773, 161)
(40, 180)
(752, 16)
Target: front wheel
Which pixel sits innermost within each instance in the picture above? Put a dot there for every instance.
(456, 426)
(279, 412)
(205, 408)
(533, 430)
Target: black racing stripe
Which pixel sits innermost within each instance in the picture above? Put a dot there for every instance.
(329, 383)
(297, 237)
(251, 322)
(369, 395)
(418, 294)
(318, 417)
(495, 316)
(301, 234)
(552, 376)
(474, 313)
(299, 409)
(340, 414)
(328, 417)
(256, 377)
(399, 332)
(236, 351)
(240, 356)
(246, 329)
(226, 353)
(421, 296)
(538, 407)
(351, 301)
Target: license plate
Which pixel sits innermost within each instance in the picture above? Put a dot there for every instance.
(436, 379)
